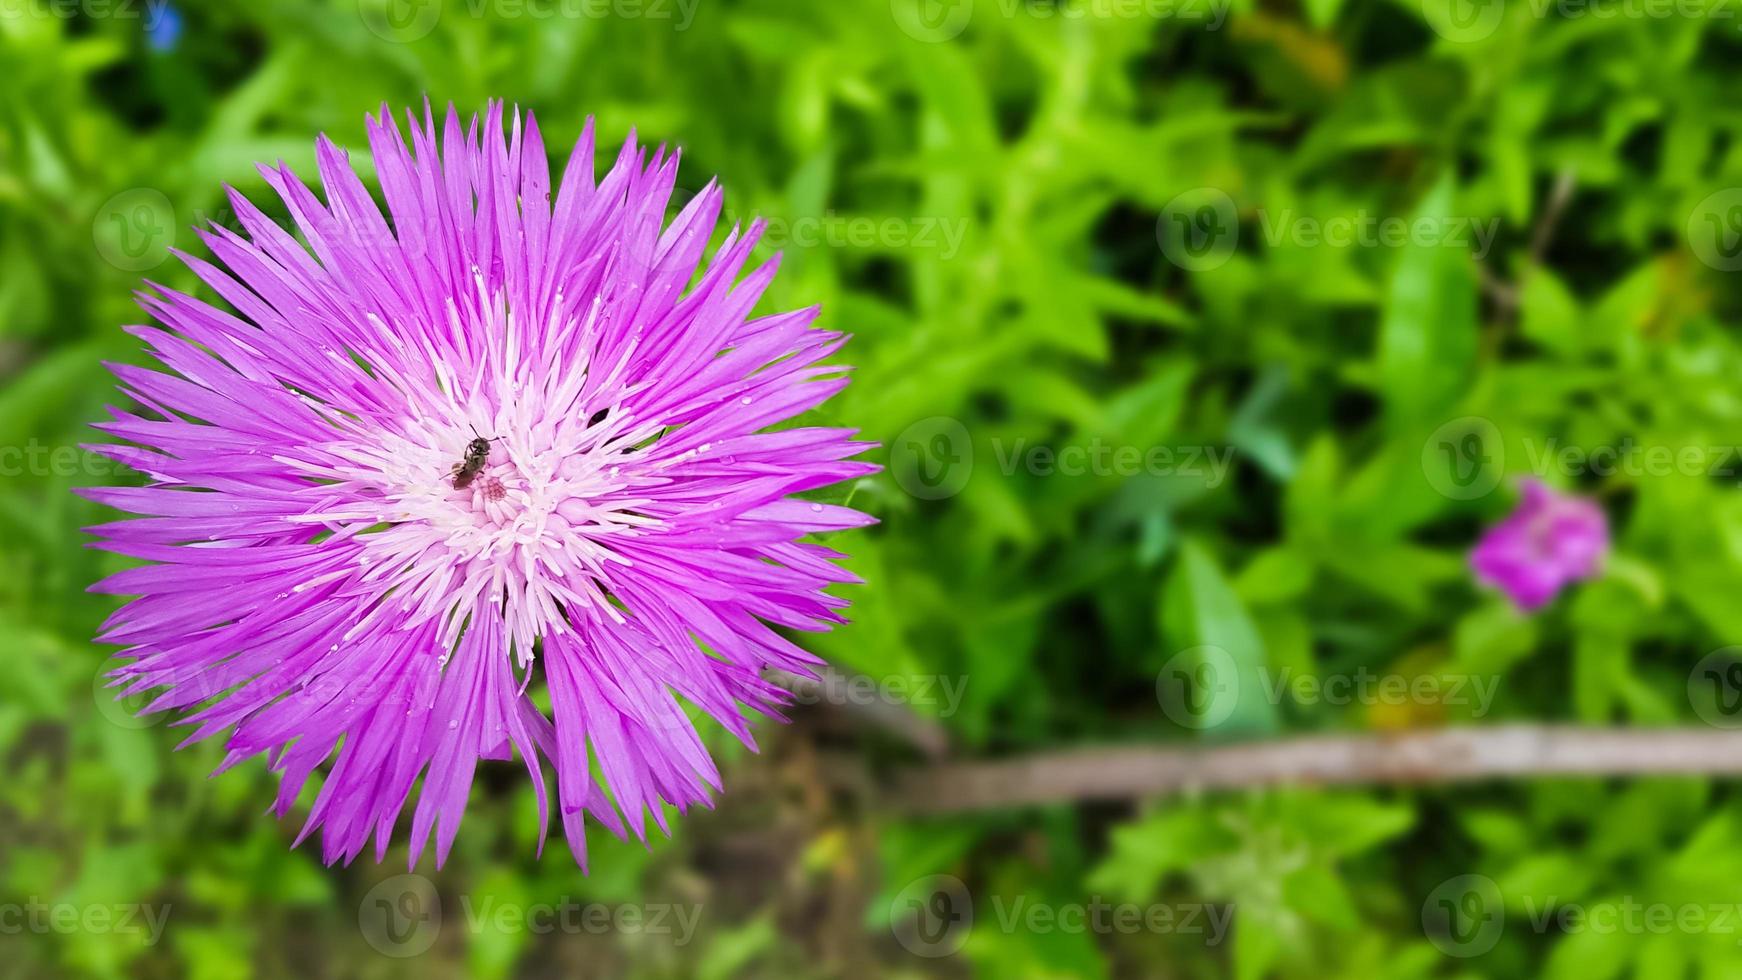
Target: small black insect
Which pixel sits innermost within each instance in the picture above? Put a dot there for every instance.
(477, 454)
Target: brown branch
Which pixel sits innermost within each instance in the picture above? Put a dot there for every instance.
(1564, 184)
(845, 694)
(1503, 294)
(1507, 295)
(1440, 756)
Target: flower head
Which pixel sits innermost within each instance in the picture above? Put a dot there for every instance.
(1550, 541)
(416, 467)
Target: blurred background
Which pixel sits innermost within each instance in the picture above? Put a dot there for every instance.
(1203, 339)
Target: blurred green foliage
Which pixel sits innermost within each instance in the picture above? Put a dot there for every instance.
(1045, 231)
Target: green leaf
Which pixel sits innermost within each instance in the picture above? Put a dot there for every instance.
(1323, 13)
(1141, 853)
(1427, 336)
(1489, 640)
(1202, 614)
(732, 949)
(1273, 576)
(1549, 313)
(1258, 944)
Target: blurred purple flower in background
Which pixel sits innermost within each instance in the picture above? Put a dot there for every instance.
(423, 463)
(1550, 541)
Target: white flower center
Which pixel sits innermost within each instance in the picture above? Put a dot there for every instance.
(547, 498)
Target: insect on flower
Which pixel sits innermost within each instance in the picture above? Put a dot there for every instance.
(477, 454)
(311, 590)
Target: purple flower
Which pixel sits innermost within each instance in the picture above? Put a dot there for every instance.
(1551, 540)
(415, 467)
